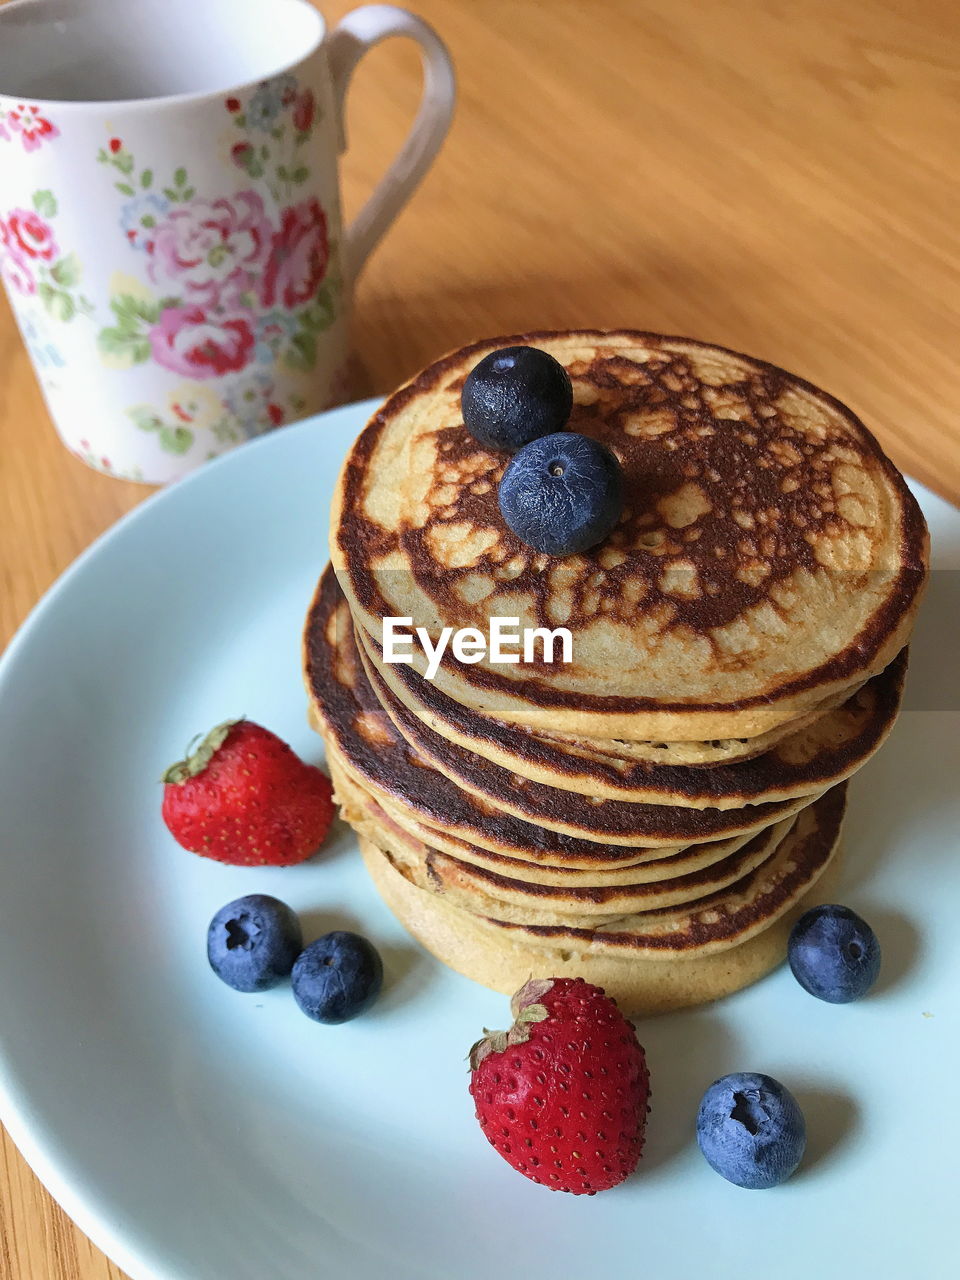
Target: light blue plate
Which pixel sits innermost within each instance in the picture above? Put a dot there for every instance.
(199, 1134)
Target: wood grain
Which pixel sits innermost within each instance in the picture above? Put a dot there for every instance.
(779, 177)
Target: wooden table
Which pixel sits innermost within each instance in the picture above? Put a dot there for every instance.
(779, 177)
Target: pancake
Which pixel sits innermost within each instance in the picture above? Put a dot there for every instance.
(485, 893)
(732, 915)
(633, 865)
(715, 923)
(511, 897)
(437, 804)
(653, 865)
(575, 812)
(488, 807)
(807, 762)
(700, 754)
(769, 556)
(503, 959)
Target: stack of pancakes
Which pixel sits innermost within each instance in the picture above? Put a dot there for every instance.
(654, 814)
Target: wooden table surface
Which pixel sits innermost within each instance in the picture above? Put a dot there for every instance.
(778, 176)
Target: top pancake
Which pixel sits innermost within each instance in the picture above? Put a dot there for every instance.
(769, 555)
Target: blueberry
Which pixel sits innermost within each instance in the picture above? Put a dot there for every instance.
(337, 977)
(253, 942)
(834, 954)
(751, 1130)
(562, 493)
(515, 395)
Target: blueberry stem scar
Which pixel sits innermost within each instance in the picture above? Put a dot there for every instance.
(748, 1111)
(240, 933)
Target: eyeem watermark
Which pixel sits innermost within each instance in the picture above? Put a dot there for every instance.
(506, 642)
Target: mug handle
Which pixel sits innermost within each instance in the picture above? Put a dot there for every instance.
(346, 45)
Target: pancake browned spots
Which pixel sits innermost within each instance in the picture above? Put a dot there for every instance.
(748, 490)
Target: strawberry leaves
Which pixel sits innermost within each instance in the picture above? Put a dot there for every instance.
(519, 1033)
(197, 760)
(532, 992)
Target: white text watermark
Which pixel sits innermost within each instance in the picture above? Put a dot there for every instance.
(506, 642)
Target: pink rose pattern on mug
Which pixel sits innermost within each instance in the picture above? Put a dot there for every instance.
(177, 261)
(31, 261)
(219, 290)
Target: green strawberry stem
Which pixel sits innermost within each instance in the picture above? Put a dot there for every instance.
(197, 760)
(526, 1009)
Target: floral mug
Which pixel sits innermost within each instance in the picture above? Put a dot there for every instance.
(170, 231)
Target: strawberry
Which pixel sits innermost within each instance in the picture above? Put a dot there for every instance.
(563, 1094)
(245, 798)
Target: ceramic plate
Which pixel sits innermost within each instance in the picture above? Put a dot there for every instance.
(199, 1134)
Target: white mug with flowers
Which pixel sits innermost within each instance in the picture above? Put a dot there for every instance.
(176, 259)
